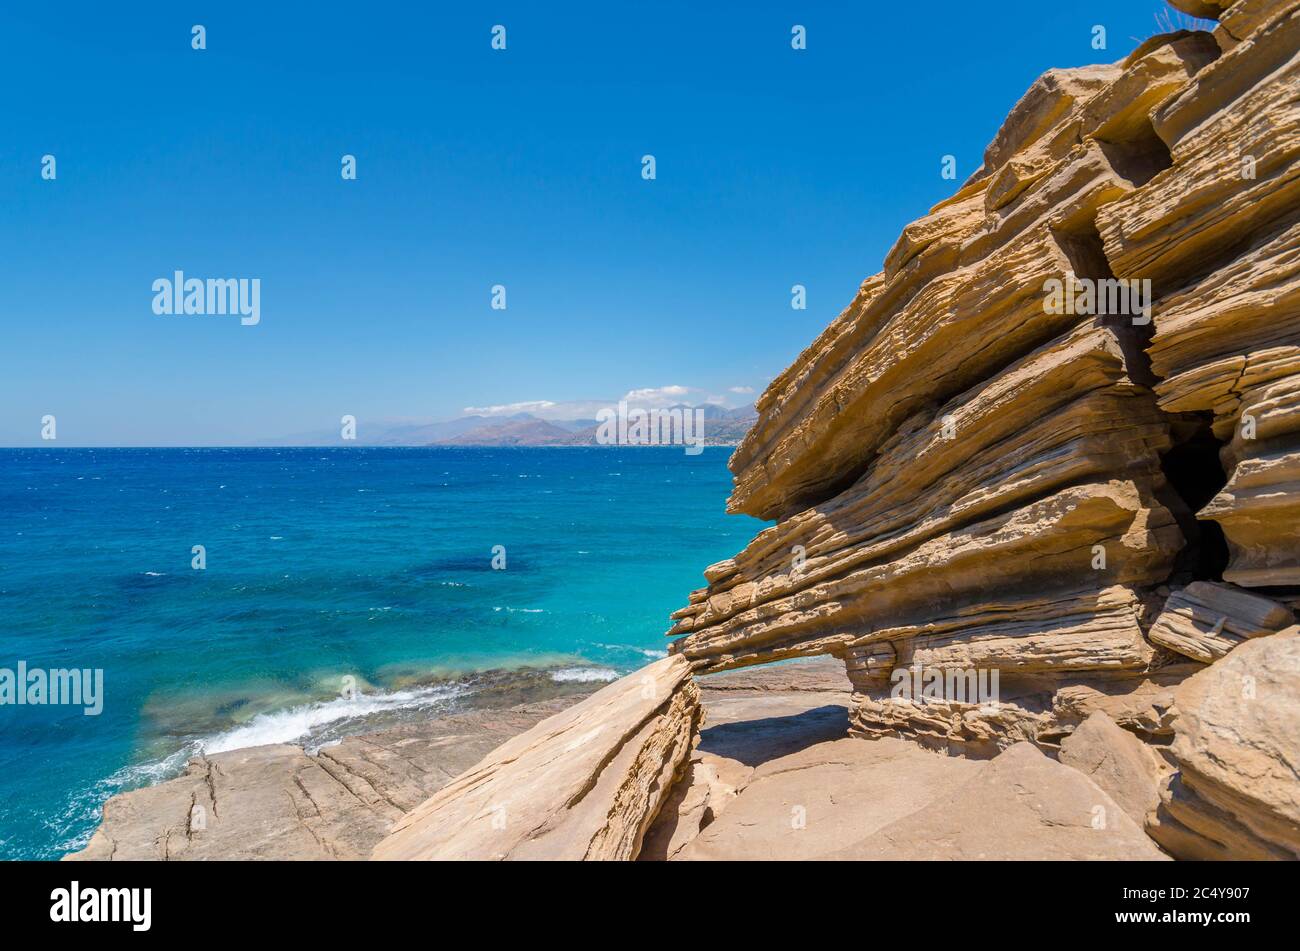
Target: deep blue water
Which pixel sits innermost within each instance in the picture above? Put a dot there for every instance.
(371, 563)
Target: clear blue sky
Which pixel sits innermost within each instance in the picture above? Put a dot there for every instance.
(475, 167)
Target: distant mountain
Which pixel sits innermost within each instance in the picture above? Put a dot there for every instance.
(513, 432)
(722, 427)
(573, 425)
(424, 434)
(389, 433)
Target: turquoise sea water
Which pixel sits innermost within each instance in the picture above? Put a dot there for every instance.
(322, 564)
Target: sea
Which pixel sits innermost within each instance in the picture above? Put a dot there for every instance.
(233, 597)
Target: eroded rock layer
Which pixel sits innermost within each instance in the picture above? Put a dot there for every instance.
(1052, 451)
(584, 784)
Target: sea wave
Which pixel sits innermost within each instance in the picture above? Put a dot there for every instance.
(583, 675)
(643, 651)
(299, 722)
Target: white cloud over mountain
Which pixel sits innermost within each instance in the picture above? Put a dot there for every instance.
(650, 397)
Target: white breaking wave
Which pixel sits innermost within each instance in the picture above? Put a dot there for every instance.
(643, 651)
(583, 674)
(285, 726)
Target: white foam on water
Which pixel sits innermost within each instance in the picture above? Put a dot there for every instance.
(282, 726)
(294, 723)
(643, 651)
(584, 675)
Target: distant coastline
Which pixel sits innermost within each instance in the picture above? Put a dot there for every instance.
(721, 427)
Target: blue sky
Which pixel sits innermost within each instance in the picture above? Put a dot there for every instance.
(475, 167)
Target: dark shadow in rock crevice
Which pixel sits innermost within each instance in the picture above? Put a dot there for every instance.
(1195, 474)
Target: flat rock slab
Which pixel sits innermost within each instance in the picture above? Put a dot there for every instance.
(583, 784)
(278, 802)
(888, 799)
(752, 717)
(1021, 805)
(809, 804)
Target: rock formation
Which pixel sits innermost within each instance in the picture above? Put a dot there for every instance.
(1057, 440)
(1237, 748)
(775, 777)
(584, 784)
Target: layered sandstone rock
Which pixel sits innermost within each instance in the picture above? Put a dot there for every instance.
(1219, 231)
(999, 459)
(584, 784)
(1237, 748)
(1206, 620)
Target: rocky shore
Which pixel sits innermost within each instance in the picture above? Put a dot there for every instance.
(1036, 552)
(280, 802)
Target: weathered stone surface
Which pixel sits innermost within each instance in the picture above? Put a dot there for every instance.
(1142, 706)
(1119, 112)
(1128, 770)
(1244, 17)
(1044, 109)
(1212, 9)
(1229, 347)
(1041, 709)
(1205, 620)
(1021, 805)
(818, 675)
(962, 728)
(1231, 331)
(1062, 414)
(753, 716)
(1259, 508)
(278, 802)
(957, 329)
(817, 801)
(583, 784)
(967, 479)
(1239, 108)
(1237, 748)
(846, 799)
